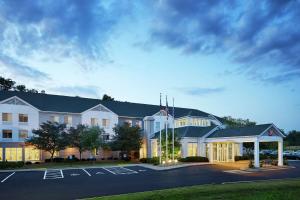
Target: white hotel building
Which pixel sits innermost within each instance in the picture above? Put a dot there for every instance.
(201, 133)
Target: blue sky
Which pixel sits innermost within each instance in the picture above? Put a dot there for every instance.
(237, 58)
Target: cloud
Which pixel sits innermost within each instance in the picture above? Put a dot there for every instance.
(17, 68)
(82, 91)
(201, 91)
(255, 34)
(62, 29)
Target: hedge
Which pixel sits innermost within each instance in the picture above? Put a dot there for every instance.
(154, 160)
(11, 165)
(194, 159)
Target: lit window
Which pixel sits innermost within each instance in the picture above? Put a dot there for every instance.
(54, 118)
(6, 117)
(23, 134)
(6, 133)
(23, 118)
(138, 123)
(1, 153)
(105, 123)
(32, 154)
(128, 121)
(68, 119)
(192, 149)
(94, 122)
(13, 154)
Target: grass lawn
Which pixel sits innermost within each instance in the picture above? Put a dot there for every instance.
(262, 190)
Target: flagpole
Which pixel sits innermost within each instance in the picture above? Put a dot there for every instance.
(167, 129)
(173, 131)
(160, 131)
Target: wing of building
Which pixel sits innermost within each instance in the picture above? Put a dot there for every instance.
(201, 133)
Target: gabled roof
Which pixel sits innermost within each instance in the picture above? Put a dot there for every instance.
(240, 132)
(189, 131)
(59, 103)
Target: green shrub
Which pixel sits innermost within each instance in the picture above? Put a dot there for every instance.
(194, 159)
(245, 157)
(11, 165)
(154, 160)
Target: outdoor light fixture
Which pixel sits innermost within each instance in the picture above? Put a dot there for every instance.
(163, 162)
(169, 161)
(176, 161)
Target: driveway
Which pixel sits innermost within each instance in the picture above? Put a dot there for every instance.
(90, 182)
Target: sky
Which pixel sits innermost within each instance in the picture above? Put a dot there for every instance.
(229, 58)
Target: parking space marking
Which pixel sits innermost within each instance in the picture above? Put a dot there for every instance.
(8, 177)
(109, 171)
(53, 174)
(87, 172)
(100, 173)
(237, 172)
(119, 170)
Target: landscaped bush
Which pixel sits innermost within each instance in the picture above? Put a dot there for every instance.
(246, 157)
(194, 159)
(154, 160)
(54, 160)
(11, 165)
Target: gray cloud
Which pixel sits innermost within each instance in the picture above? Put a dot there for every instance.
(200, 91)
(256, 34)
(17, 68)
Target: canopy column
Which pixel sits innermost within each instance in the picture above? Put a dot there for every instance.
(280, 153)
(256, 153)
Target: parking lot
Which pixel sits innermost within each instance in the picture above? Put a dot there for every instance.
(89, 182)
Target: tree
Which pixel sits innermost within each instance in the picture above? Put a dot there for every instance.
(6, 84)
(76, 138)
(237, 123)
(21, 88)
(92, 139)
(293, 138)
(170, 143)
(107, 98)
(127, 138)
(50, 137)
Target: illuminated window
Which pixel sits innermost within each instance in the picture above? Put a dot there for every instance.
(157, 126)
(54, 118)
(23, 134)
(23, 118)
(1, 154)
(6, 117)
(32, 154)
(94, 122)
(128, 121)
(13, 154)
(68, 119)
(138, 123)
(6, 133)
(105, 123)
(192, 149)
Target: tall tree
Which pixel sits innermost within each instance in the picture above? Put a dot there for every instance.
(21, 88)
(6, 84)
(293, 138)
(170, 143)
(92, 139)
(127, 138)
(237, 123)
(107, 98)
(50, 137)
(76, 138)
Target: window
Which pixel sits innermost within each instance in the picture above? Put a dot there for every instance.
(128, 121)
(32, 154)
(105, 123)
(6, 133)
(23, 134)
(192, 149)
(13, 154)
(105, 137)
(6, 117)
(68, 119)
(138, 123)
(1, 154)
(94, 122)
(23, 118)
(54, 118)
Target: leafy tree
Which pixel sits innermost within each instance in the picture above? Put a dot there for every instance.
(293, 138)
(76, 138)
(107, 98)
(21, 88)
(6, 84)
(237, 123)
(170, 143)
(127, 138)
(50, 137)
(92, 139)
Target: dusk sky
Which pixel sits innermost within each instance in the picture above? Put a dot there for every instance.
(237, 58)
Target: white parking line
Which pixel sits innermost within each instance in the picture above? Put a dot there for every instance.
(8, 177)
(53, 174)
(62, 175)
(108, 170)
(87, 172)
(130, 170)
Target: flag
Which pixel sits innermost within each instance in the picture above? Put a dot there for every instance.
(167, 108)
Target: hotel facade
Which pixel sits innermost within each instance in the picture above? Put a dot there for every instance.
(201, 133)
